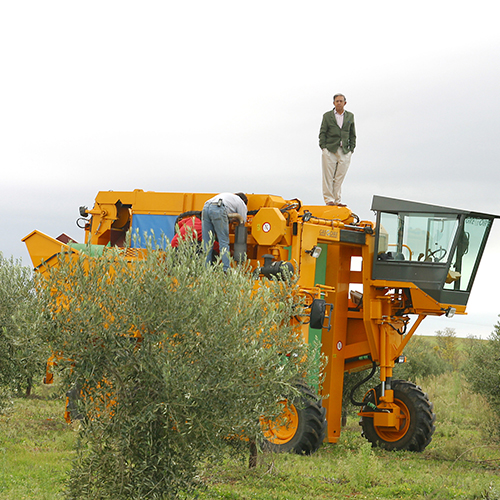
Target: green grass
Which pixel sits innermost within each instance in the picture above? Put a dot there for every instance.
(462, 462)
(352, 469)
(35, 448)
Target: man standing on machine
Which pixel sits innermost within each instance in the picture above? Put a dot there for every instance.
(337, 140)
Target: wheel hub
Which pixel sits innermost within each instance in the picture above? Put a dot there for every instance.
(282, 429)
(394, 425)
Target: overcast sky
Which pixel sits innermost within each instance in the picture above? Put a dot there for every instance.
(200, 96)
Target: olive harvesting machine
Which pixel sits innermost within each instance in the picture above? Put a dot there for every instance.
(367, 286)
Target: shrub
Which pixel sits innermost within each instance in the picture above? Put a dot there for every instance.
(447, 347)
(482, 370)
(175, 362)
(423, 360)
(22, 353)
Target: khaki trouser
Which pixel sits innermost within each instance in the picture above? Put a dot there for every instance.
(335, 166)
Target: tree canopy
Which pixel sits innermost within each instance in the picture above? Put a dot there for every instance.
(173, 363)
(22, 354)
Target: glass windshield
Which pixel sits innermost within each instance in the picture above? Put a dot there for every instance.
(416, 237)
(463, 264)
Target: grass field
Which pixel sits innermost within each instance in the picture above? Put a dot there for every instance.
(462, 462)
(35, 447)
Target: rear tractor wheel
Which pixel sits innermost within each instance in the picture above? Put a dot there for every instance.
(415, 422)
(301, 428)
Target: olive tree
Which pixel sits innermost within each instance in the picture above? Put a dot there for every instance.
(447, 347)
(482, 370)
(173, 363)
(22, 353)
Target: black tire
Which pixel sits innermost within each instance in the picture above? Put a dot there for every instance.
(415, 434)
(306, 430)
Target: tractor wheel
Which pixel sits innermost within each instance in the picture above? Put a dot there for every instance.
(300, 429)
(416, 425)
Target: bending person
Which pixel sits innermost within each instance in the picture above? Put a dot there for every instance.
(215, 217)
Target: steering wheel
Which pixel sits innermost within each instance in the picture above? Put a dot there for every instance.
(441, 254)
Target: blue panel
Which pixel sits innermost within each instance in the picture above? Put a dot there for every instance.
(144, 225)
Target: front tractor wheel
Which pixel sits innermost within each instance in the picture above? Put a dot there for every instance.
(301, 428)
(415, 422)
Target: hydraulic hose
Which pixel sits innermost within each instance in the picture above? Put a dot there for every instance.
(351, 396)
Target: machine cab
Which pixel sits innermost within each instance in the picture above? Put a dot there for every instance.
(436, 248)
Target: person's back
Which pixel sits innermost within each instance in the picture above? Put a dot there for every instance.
(215, 222)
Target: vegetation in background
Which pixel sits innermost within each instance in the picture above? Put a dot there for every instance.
(424, 358)
(174, 363)
(22, 353)
(447, 347)
(483, 368)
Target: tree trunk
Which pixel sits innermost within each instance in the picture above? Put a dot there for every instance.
(29, 386)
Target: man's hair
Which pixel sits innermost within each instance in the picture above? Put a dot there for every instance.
(339, 95)
(243, 196)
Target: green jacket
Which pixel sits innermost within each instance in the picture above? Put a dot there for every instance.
(330, 133)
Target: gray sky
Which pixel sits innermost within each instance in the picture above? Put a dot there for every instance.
(203, 96)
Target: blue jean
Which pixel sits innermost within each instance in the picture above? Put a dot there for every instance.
(214, 221)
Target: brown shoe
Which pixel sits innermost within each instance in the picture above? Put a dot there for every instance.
(331, 204)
